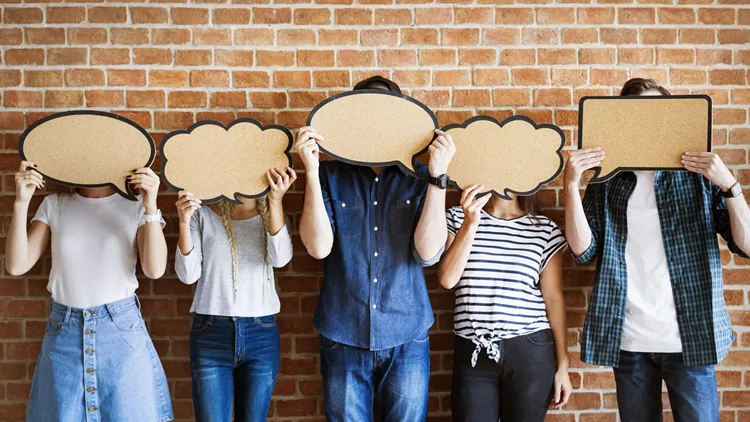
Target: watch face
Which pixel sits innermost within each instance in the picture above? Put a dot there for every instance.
(736, 190)
(443, 181)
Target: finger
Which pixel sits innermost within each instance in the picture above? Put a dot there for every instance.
(465, 194)
(585, 151)
(36, 178)
(586, 165)
(566, 396)
(292, 173)
(439, 132)
(693, 169)
(696, 164)
(703, 154)
(558, 387)
(270, 181)
(285, 176)
(472, 195)
(440, 142)
(26, 165)
(484, 199)
(696, 159)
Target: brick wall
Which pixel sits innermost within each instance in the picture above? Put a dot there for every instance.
(168, 63)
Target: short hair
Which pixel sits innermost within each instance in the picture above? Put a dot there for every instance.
(377, 79)
(638, 86)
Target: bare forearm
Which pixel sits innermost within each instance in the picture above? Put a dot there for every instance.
(17, 242)
(432, 230)
(185, 240)
(453, 262)
(559, 324)
(154, 250)
(314, 227)
(275, 216)
(739, 219)
(577, 230)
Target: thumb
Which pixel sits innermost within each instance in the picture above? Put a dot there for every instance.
(558, 387)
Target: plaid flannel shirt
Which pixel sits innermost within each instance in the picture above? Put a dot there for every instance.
(691, 213)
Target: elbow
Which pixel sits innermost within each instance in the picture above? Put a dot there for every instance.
(153, 272)
(15, 270)
(446, 281)
(319, 251)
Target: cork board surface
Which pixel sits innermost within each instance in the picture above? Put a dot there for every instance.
(215, 162)
(374, 127)
(644, 133)
(515, 156)
(87, 149)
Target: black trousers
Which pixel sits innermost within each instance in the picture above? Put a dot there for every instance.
(517, 388)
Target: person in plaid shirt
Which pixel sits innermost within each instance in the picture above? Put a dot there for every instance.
(657, 309)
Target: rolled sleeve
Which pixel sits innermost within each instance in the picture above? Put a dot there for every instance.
(428, 262)
(189, 267)
(280, 247)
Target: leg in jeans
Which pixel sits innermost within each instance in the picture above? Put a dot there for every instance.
(402, 376)
(638, 382)
(212, 363)
(528, 376)
(692, 390)
(475, 390)
(347, 381)
(257, 347)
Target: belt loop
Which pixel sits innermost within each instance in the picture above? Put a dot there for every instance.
(111, 310)
(67, 314)
(210, 319)
(137, 302)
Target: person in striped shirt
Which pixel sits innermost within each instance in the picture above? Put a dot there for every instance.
(510, 347)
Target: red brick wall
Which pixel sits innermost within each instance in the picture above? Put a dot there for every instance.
(168, 65)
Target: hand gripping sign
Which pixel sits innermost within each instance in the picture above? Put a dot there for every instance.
(215, 162)
(644, 132)
(374, 127)
(515, 156)
(87, 149)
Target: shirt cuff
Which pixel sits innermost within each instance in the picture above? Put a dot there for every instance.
(429, 262)
(587, 256)
(274, 239)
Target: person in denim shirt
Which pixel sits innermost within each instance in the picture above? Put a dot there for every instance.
(656, 310)
(375, 228)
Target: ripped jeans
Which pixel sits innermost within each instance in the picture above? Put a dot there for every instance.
(235, 362)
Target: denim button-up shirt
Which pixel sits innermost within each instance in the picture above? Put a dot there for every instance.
(374, 294)
(691, 213)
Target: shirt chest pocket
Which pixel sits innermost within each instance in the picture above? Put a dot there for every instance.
(402, 217)
(349, 217)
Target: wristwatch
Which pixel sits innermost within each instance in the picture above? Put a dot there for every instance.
(153, 218)
(734, 191)
(440, 181)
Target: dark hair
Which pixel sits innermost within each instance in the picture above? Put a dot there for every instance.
(530, 204)
(638, 86)
(377, 80)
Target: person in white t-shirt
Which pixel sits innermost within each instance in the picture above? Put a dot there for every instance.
(510, 333)
(229, 250)
(97, 360)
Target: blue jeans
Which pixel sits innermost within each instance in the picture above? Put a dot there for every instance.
(234, 361)
(692, 390)
(399, 376)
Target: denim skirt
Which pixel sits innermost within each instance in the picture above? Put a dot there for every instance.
(98, 365)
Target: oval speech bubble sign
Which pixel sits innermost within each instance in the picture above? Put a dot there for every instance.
(374, 127)
(214, 162)
(88, 149)
(515, 156)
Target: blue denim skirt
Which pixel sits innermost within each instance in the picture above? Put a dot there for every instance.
(98, 365)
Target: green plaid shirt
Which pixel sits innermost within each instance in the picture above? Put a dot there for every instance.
(691, 212)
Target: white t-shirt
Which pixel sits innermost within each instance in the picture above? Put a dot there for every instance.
(650, 323)
(94, 249)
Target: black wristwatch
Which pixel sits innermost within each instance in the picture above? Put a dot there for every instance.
(440, 181)
(732, 192)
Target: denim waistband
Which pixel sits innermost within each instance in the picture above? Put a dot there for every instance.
(64, 313)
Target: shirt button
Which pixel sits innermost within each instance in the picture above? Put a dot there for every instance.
(86, 314)
(376, 254)
(376, 179)
(92, 408)
(88, 332)
(376, 228)
(375, 203)
(89, 370)
(91, 389)
(408, 202)
(374, 280)
(89, 351)
(374, 306)
(343, 205)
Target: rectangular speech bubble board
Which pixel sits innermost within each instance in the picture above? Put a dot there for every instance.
(644, 132)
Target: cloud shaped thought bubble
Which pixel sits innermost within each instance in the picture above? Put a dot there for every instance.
(515, 156)
(88, 149)
(216, 162)
(374, 127)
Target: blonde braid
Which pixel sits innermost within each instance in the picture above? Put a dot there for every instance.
(262, 206)
(226, 218)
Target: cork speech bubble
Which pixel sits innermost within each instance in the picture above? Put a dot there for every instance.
(515, 156)
(644, 132)
(87, 149)
(374, 127)
(215, 162)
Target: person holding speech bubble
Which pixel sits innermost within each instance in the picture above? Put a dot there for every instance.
(510, 357)
(656, 311)
(375, 228)
(97, 360)
(230, 249)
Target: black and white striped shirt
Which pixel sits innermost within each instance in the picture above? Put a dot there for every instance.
(498, 296)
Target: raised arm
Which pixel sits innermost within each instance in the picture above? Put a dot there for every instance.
(431, 233)
(152, 247)
(577, 229)
(22, 248)
(458, 246)
(314, 227)
(279, 241)
(188, 261)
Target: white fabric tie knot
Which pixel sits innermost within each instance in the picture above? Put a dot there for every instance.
(493, 351)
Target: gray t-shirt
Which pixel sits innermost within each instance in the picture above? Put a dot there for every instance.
(210, 263)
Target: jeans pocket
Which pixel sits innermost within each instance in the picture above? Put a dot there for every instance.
(326, 343)
(200, 323)
(128, 320)
(266, 321)
(54, 327)
(421, 339)
(540, 338)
